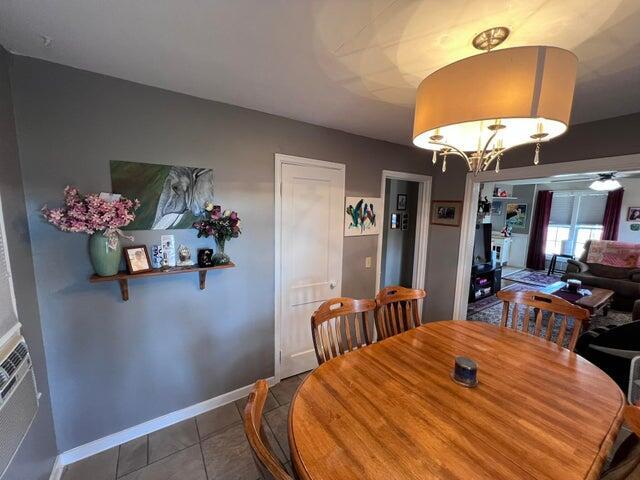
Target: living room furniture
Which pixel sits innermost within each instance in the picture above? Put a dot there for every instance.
(395, 412)
(559, 309)
(502, 247)
(397, 310)
(337, 317)
(612, 348)
(625, 463)
(597, 303)
(625, 282)
(486, 280)
(554, 260)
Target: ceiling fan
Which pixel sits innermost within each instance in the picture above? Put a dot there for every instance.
(605, 183)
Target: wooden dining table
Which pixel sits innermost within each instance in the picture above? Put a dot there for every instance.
(391, 410)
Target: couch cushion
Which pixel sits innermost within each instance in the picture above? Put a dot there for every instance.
(610, 272)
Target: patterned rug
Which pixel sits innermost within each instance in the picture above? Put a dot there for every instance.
(493, 315)
(485, 303)
(530, 277)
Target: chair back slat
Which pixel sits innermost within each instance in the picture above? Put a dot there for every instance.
(268, 464)
(340, 325)
(397, 310)
(541, 303)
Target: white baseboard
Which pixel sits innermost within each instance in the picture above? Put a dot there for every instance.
(118, 438)
(56, 471)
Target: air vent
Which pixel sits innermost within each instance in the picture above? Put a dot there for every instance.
(8, 367)
(21, 350)
(15, 358)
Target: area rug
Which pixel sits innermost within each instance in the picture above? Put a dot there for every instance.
(488, 302)
(530, 277)
(493, 315)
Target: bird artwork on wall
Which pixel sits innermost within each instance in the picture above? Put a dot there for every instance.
(360, 216)
(173, 197)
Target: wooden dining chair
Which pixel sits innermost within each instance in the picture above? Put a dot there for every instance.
(397, 310)
(268, 464)
(557, 308)
(625, 463)
(341, 325)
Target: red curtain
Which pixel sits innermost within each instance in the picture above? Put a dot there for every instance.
(538, 236)
(612, 214)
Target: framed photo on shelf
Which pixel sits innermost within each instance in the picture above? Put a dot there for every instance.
(401, 203)
(446, 212)
(137, 258)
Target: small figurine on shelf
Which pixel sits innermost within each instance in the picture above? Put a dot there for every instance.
(506, 231)
(184, 256)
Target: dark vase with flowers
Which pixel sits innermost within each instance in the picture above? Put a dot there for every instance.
(222, 226)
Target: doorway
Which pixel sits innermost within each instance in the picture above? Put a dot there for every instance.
(402, 245)
(309, 200)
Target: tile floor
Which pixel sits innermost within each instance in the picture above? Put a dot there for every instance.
(211, 446)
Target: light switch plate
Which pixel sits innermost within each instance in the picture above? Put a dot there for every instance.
(367, 262)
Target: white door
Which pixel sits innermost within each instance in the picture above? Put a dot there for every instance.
(311, 223)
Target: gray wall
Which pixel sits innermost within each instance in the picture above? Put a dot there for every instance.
(604, 138)
(398, 245)
(37, 453)
(113, 364)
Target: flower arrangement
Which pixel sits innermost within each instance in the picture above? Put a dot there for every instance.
(92, 213)
(222, 225)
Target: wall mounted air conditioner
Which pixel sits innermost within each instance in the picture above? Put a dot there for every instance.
(18, 398)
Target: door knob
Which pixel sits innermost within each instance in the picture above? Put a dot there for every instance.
(332, 284)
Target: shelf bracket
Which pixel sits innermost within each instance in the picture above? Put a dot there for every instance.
(124, 288)
(203, 278)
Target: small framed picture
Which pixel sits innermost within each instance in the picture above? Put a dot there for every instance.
(405, 221)
(394, 221)
(137, 259)
(446, 212)
(402, 202)
(633, 215)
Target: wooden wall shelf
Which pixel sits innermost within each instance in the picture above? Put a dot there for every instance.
(123, 277)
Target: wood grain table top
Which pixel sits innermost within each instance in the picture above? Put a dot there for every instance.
(391, 411)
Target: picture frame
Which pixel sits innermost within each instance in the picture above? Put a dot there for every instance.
(361, 216)
(405, 221)
(137, 258)
(446, 212)
(633, 214)
(516, 215)
(393, 223)
(401, 202)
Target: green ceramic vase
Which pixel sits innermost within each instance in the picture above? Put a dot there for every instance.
(105, 261)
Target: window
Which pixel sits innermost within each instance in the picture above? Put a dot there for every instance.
(575, 218)
(556, 236)
(584, 233)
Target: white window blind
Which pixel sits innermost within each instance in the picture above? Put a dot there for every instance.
(8, 317)
(591, 210)
(561, 209)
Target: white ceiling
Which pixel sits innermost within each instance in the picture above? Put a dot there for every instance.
(346, 64)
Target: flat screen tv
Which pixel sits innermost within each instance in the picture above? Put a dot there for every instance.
(482, 244)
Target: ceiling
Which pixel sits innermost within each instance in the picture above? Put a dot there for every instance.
(346, 64)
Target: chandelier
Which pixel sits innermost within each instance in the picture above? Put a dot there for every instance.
(482, 106)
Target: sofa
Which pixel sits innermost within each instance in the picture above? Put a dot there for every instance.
(625, 282)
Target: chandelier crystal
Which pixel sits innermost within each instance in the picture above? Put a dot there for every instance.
(480, 107)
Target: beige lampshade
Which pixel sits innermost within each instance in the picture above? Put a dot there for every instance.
(525, 88)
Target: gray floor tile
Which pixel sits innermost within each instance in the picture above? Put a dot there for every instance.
(227, 456)
(303, 375)
(133, 455)
(284, 390)
(217, 419)
(274, 445)
(101, 466)
(270, 404)
(184, 465)
(172, 439)
(278, 422)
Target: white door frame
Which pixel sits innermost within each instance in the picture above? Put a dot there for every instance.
(281, 159)
(472, 190)
(422, 224)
